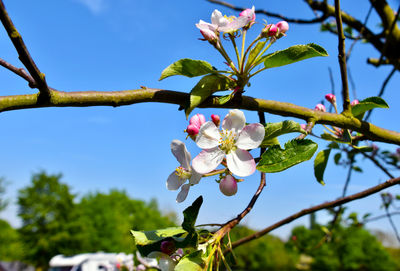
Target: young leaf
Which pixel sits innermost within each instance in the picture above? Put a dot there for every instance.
(192, 261)
(337, 157)
(204, 88)
(333, 138)
(224, 99)
(254, 52)
(367, 104)
(293, 54)
(190, 215)
(148, 241)
(320, 164)
(273, 130)
(187, 67)
(296, 151)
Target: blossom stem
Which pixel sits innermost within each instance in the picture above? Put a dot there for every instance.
(241, 65)
(262, 52)
(236, 49)
(329, 129)
(248, 49)
(214, 172)
(221, 49)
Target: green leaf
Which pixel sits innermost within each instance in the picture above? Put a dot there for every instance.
(296, 151)
(192, 261)
(293, 54)
(187, 67)
(330, 137)
(333, 145)
(320, 164)
(363, 148)
(367, 104)
(224, 99)
(358, 169)
(337, 157)
(270, 142)
(204, 88)
(397, 197)
(254, 52)
(148, 241)
(190, 215)
(273, 130)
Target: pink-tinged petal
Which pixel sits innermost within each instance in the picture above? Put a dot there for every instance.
(179, 150)
(174, 182)
(228, 186)
(208, 160)
(183, 193)
(202, 25)
(198, 119)
(234, 25)
(195, 178)
(251, 136)
(241, 163)
(234, 120)
(208, 136)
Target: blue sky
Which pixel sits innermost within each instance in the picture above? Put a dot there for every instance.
(124, 44)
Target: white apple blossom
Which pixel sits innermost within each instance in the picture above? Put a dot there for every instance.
(182, 173)
(232, 141)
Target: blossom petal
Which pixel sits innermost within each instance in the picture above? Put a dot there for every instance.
(234, 121)
(174, 182)
(208, 136)
(179, 150)
(251, 136)
(202, 25)
(218, 19)
(208, 160)
(183, 193)
(235, 24)
(195, 178)
(241, 163)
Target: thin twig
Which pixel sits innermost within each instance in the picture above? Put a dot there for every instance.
(387, 36)
(382, 90)
(271, 14)
(342, 58)
(389, 216)
(370, 157)
(19, 71)
(379, 217)
(23, 53)
(313, 209)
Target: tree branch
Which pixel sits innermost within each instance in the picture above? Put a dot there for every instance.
(128, 97)
(322, 206)
(342, 58)
(19, 71)
(24, 56)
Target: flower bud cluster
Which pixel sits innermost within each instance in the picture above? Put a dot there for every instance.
(275, 30)
(197, 121)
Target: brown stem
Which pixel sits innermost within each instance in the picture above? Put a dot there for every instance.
(19, 71)
(373, 160)
(313, 209)
(342, 58)
(23, 53)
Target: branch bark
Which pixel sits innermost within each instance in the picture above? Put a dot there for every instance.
(322, 206)
(128, 97)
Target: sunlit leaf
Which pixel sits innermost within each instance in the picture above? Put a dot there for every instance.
(296, 151)
(293, 54)
(367, 104)
(273, 130)
(187, 67)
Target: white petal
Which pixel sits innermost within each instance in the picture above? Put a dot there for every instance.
(251, 136)
(183, 193)
(174, 182)
(195, 178)
(241, 163)
(235, 24)
(202, 25)
(208, 136)
(208, 160)
(234, 121)
(218, 19)
(179, 150)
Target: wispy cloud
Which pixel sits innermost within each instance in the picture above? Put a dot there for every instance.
(95, 6)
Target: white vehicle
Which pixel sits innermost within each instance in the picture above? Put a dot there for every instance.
(92, 262)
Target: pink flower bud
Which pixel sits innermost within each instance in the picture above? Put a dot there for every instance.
(192, 129)
(272, 30)
(283, 26)
(330, 98)
(208, 34)
(320, 107)
(303, 126)
(167, 247)
(353, 103)
(248, 13)
(228, 186)
(215, 119)
(197, 120)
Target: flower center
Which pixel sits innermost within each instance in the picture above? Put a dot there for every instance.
(227, 141)
(183, 173)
